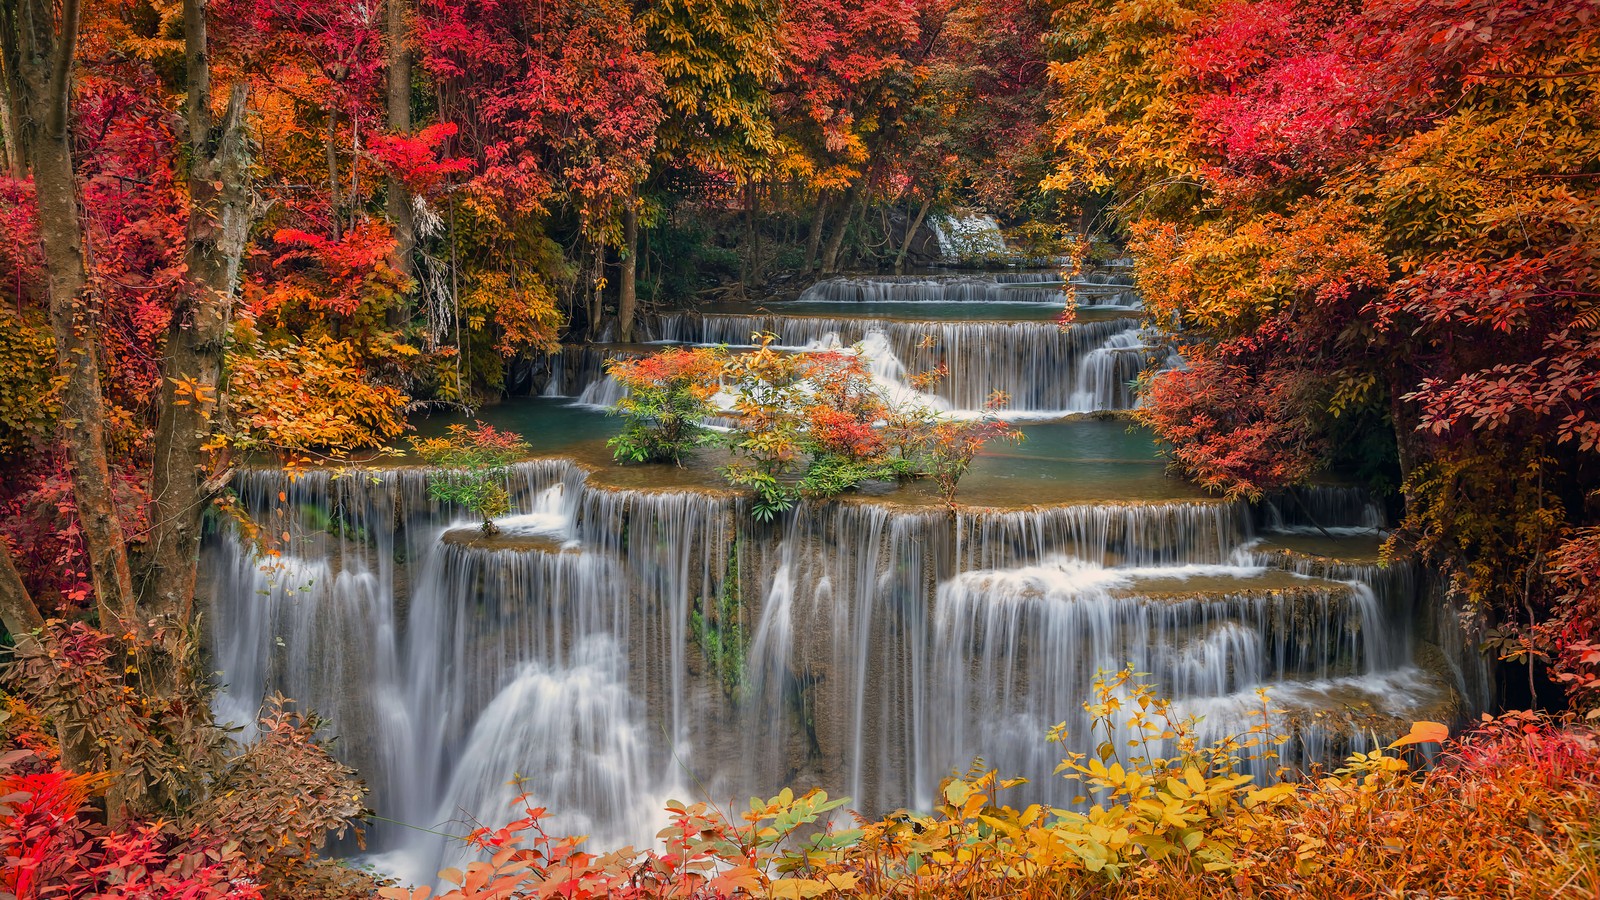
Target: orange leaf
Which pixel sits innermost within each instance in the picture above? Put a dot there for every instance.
(1424, 733)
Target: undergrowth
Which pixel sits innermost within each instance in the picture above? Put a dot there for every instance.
(1509, 810)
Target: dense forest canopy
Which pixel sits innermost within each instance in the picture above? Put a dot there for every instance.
(272, 230)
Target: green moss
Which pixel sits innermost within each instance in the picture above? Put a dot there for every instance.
(721, 635)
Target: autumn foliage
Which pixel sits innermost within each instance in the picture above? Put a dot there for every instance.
(212, 819)
(668, 397)
(1368, 225)
(471, 468)
(1510, 807)
(253, 229)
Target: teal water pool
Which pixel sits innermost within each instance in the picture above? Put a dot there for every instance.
(1071, 461)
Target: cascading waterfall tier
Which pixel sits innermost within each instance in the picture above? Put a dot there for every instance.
(1092, 289)
(579, 373)
(1042, 367)
(915, 643)
(929, 290)
(554, 650)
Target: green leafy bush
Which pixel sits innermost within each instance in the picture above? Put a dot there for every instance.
(476, 462)
(669, 396)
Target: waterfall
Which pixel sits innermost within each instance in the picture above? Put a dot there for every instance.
(931, 289)
(923, 647)
(446, 661)
(1105, 375)
(579, 373)
(610, 648)
(882, 646)
(1317, 507)
(965, 235)
(1024, 644)
(861, 581)
(1050, 277)
(1041, 366)
(602, 393)
(1091, 289)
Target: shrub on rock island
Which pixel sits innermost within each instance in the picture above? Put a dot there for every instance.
(474, 463)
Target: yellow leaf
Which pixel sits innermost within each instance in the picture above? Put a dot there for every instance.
(1270, 794)
(796, 888)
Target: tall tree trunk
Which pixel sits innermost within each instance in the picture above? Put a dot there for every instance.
(38, 43)
(819, 218)
(830, 253)
(398, 204)
(753, 237)
(597, 281)
(628, 277)
(13, 151)
(911, 235)
(856, 256)
(220, 213)
(21, 618)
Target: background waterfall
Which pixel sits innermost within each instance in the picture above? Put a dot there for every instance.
(1043, 368)
(965, 235)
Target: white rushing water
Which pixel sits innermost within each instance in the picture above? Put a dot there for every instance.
(967, 235)
(1044, 370)
(879, 648)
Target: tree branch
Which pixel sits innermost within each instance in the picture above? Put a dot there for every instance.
(61, 76)
(17, 609)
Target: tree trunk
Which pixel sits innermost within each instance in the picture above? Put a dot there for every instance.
(911, 234)
(398, 203)
(830, 254)
(220, 214)
(628, 277)
(856, 256)
(814, 238)
(597, 282)
(22, 618)
(38, 50)
(753, 236)
(8, 124)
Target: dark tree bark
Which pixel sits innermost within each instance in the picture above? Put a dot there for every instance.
(596, 301)
(628, 275)
(750, 267)
(8, 125)
(398, 202)
(17, 610)
(819, 218)
(830, 253)
(911, 235)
